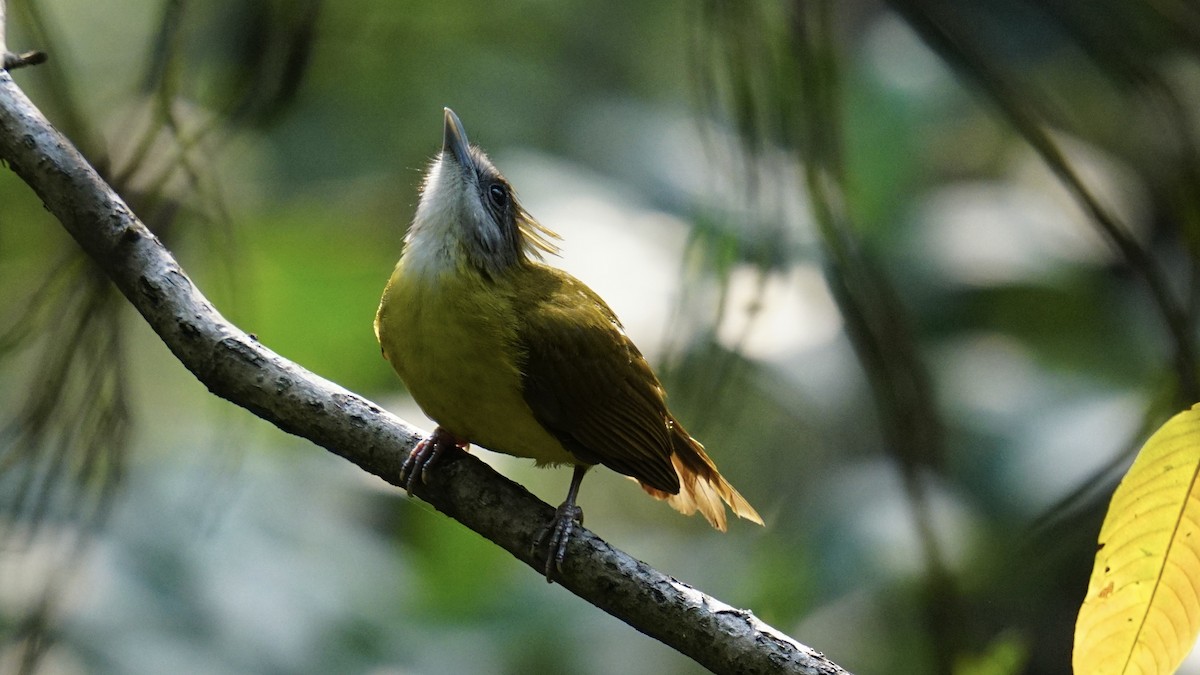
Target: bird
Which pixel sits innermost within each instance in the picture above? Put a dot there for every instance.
(506, 352)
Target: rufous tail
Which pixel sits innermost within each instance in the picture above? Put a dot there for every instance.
(701, 486)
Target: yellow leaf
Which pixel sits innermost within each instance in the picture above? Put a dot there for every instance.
(1142, 610)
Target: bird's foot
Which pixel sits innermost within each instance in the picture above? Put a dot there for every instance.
(416, 465)
(555, 536)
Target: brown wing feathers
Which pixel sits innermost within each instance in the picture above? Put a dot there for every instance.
(582, 400)
(590, 387)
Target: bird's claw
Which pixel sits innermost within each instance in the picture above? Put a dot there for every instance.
(555, 536)
(416, 466)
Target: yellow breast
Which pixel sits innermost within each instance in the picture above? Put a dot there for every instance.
(451, 335)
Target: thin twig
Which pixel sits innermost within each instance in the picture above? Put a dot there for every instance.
(12, 61)
(32, 58)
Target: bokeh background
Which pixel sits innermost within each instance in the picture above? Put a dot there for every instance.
(921, 275)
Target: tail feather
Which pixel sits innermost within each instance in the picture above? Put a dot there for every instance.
(701, 487)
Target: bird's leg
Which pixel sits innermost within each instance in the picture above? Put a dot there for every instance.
(416, 465)
(557, 532)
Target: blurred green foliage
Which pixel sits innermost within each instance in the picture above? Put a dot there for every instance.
(901, 337)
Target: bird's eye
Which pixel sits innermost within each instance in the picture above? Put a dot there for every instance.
(498, 195)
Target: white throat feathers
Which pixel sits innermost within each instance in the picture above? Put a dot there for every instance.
(468, 211)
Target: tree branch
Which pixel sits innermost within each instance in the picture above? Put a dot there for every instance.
(234, 366)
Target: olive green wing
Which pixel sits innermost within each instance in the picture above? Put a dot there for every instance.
(589, 386)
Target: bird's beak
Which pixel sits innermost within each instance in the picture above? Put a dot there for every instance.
(454, 139)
